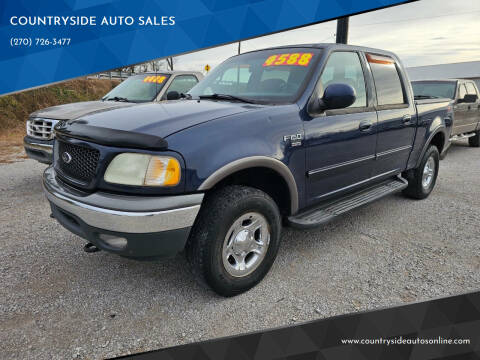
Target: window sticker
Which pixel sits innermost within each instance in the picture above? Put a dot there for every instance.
(155, 79)
(296, 59)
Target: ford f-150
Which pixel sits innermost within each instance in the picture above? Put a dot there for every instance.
(291, 135)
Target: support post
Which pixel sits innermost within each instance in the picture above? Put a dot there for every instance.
(342, 30)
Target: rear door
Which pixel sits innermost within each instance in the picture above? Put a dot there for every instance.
(341, 143)
(397, 116)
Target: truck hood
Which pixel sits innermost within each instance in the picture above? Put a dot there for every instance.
(152, 119)
(76, 110)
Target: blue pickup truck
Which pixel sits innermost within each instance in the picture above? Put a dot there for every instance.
(290, 136)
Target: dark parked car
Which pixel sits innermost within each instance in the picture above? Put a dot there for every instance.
(466, 105)
(297, 134)
(140, 88)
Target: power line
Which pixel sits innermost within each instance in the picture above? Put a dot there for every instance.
(418, 18)
(387, 22)
(327, 38)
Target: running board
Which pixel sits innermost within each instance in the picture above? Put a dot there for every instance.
(328, 211)
(462, 136)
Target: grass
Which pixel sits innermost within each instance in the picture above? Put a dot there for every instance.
(11, 145)
(15, 109)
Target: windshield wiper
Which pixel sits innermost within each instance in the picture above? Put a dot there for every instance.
(118, 98)
(227, 97)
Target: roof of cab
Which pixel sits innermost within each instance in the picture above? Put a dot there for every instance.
(438, 80)
(170, 72)
(332, 46)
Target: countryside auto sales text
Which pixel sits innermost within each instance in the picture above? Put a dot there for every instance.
(91, 20)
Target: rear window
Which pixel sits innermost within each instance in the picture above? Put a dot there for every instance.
(435, 89)
(387, 80)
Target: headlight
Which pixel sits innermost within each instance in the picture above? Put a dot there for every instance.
(143, 170)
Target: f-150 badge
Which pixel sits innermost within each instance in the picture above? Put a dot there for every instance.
(294, 140)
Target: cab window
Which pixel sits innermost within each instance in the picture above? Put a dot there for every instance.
(471, 89)
(345, 68)
(388, 83)
(182, 83)
(462, 91)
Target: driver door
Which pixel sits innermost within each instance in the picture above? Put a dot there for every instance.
(341, 143)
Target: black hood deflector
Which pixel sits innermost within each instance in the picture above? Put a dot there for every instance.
(109, 137)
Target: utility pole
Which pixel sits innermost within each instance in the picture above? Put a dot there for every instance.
(342, 30)
(170, 63)
(239, 48)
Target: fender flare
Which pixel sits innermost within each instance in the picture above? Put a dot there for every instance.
(256, 161)
(439, 129)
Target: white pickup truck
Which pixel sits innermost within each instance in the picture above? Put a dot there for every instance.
(145, 87)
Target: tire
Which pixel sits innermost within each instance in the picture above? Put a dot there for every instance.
(474, 141)
(224, 250)
(420, 186)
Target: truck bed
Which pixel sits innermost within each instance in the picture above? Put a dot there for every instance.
(428, 109)
(432, 113)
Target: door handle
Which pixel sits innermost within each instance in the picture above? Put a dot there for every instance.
(406, 119)
(365, 125)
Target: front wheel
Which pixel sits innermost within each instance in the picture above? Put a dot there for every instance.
(235, 239)
(421, 180)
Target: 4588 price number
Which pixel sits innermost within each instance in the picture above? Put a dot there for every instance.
(29, 42)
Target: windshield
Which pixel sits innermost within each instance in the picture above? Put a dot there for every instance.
(269, 76)
(439, 89)
(138, 88)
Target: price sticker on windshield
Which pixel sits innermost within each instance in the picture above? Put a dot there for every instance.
(155, 79)
(293, 59)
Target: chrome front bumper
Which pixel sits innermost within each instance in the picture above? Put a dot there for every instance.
(40, 147)
(124, 214)
(40, 150)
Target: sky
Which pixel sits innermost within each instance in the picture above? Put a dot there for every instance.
(426, 32)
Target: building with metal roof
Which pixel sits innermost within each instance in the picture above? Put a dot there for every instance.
(462, 70)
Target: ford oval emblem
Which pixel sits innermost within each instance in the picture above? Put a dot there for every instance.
(66, 157)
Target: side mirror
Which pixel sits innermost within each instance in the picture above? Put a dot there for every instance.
(173, 95)
(470, 98)
(336, 96)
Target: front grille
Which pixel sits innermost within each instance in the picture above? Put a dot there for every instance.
(41, 128)
(76, 161)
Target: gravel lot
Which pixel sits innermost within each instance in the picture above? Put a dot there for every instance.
(58, 302)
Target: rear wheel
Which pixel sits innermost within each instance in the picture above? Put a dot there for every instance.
(235, 239)
(474, 141)
(421, 180)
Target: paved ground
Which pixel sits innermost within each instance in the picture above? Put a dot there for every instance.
(58, 302)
